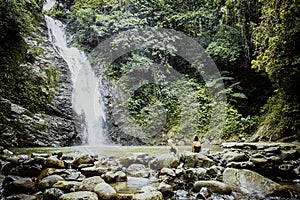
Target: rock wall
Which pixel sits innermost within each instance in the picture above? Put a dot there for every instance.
(55, 126)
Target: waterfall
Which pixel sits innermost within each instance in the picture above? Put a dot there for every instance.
(87, 100)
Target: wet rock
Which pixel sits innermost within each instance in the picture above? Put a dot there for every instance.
(138, 170)
(289, 155)
(105, 191)
(80, 195)
(249, 182)
(148, 193)
(213, 187)
(48, 181)
(90, 183)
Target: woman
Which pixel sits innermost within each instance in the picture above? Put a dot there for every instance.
(196, 145)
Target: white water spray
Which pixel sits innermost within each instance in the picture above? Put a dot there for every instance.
(87, 100)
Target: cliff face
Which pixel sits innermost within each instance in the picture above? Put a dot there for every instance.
(35, 88)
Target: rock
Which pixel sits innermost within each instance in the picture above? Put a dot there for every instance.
(85, 159)
(48, 181)
(241, 165)
(164, 160)
(54, 162)
(232, 156)
(105, 191)
(166, 190)
(148, 193)
(109, 177)
(289, 155)
(18, 185)
(52, 194)
(22, 197)
(90, 183)
(66, 185)
(93, 171)
(213, 186)
(249, 182)
(28, 170)
(167, 171)
(213, 171)
(80, 195)
(120, 176)
(194, 160)
(138, 170)
(43, 155)
(259, 161)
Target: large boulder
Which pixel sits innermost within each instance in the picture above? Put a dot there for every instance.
(250, 182)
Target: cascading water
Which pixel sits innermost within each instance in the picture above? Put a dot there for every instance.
(87, 100)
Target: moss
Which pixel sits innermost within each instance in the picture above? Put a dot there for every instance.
(280, 118)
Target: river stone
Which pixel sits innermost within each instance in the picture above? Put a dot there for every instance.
(22, 197)
(289, 155)
(85, 159)
(148, 193)
(66, 185)
(54, 162)
(232, 156)
(80, 195)
(93, 171)
(166, 190)
(52, 194)
(249, 182)
(90, 183)
(164, 160)
(18, 185)
(167, 171)
(138, 170)
(121, 176)
(105, 191)
(109, 177)
(192, 160)
(48, 181)
(213, 186)
(28, 170)
(241, 165)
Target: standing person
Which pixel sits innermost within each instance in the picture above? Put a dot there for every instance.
(196, 145)
(173, 148)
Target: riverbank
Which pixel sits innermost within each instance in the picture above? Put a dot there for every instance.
(240, 171)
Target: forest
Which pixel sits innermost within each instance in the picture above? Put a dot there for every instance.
(254, 44)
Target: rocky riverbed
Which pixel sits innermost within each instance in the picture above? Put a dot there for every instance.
(241, 171)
